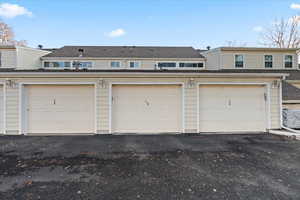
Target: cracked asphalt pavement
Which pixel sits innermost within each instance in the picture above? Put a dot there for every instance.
(249, 166)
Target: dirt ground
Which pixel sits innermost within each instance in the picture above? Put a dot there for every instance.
(252, 166)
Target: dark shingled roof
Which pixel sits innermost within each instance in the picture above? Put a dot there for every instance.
(290, 92)
(126, 52)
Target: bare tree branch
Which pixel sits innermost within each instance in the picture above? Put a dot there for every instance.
(7, 36)
(282, 34)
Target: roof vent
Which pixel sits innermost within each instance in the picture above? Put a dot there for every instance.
(80, 52)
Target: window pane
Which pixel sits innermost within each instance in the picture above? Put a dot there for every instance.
(134, 64)
(165, 64)
(289, 58)
(79, 64)
(194, 65)
(239, 61)
(55, 64)
(115, 64)
(200, 65)
(268, 61)
(46, 64)
(268, 58)
(239, 58)
(67, 64)
(268, 64)
(288, 61)
(86, 64)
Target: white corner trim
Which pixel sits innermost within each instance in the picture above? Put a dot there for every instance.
(4, 107)
(145, 83)
(280, 104)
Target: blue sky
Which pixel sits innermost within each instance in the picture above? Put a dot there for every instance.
(197, 23)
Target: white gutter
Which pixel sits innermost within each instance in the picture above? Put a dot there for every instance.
(297, 132)
(157, 74)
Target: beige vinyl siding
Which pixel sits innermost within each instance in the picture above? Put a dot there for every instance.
(102, 96)
(28, 58)
(275, 107)
(8, 58)
(12, 110)
(212, 59)
(102, 110)
(255, 60)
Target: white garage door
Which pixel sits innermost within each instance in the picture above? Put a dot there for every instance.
(1, 109)
(60, 109)
(227, 108)
(146, 108)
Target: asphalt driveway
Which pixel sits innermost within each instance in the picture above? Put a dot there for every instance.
(150, 167)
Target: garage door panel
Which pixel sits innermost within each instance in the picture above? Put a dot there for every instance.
(211, 127)
(232, 108)
(60, 109)
(146, 108)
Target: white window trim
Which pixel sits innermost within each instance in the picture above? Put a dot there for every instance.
(140, 64)
(264, 61)
(191, 62)
(165, 61)
(115, 61)
(71, 64)
(181, 68)
(244, 63)
(81, 61)
(284, 61)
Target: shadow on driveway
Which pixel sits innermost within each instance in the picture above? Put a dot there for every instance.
(256, 166)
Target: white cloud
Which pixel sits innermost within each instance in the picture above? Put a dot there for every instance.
(13, 10)
(117, 33)
(295, 6)
(258, 29)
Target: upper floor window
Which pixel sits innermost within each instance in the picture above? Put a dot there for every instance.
(134, 64)
(191, 65)
(166, 64)
(115, 64)
(288, 61)
(239, 61)
(268, 61)
(57, 64)
(80, 64)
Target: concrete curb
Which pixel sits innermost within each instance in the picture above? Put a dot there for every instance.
(286, 133)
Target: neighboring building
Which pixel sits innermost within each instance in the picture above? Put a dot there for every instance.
(15, 57)
(105, 89)
(291, 91)
(251, 58)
